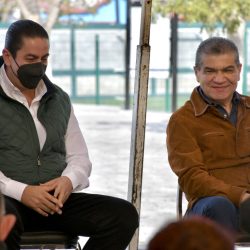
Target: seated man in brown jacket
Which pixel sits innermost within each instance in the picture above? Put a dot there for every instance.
(208, 139)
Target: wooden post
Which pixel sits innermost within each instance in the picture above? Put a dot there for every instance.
(139, 114)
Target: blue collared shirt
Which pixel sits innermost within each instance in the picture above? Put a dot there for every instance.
(232, 117)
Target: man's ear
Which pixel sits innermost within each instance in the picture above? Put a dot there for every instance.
(196, 72)
(6, 224)
(6, 56)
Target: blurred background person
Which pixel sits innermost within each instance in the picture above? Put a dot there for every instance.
(7, 221)
(192, 233)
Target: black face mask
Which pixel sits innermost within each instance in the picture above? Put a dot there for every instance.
(30, 74)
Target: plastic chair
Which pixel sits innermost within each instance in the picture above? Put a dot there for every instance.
(49, 240)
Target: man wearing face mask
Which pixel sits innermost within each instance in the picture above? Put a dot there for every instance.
(43, 156)
(30, 74)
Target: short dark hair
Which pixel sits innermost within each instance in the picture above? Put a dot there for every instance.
(20, 29)
(194, 232)
(216, 46)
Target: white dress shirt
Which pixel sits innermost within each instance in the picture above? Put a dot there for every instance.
(78, 164)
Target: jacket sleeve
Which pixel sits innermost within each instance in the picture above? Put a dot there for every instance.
(185, 158)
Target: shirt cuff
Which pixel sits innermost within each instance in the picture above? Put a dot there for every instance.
(14, 189)
(75, 181)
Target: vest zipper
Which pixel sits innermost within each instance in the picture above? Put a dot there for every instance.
(38, 165)
(38, 161)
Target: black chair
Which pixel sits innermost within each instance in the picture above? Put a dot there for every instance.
(179, 203)
(49, 240)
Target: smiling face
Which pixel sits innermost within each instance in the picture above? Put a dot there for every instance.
(218, 75)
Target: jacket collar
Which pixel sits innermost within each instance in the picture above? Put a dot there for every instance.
(200, 106)
(245, 100)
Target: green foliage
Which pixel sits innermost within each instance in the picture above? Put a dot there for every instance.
(230, 13)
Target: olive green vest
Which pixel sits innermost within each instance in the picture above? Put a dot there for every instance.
(20, 155)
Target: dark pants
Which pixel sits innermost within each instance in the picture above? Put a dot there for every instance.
(109, 222)
(219, 209)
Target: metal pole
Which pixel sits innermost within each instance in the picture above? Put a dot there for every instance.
(117, 14)
(97, 69)
(73, 62)
(173, 58)
(139, 114)
(245, 62)
(127, 56)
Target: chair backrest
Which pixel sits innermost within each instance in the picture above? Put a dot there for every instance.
(49, 240)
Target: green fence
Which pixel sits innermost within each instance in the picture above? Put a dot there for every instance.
(189, 37)
(89, 63)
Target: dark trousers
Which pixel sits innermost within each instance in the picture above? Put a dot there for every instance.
(219, 209)
(109, 222)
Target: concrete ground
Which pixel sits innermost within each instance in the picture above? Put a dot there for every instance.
(107, 131)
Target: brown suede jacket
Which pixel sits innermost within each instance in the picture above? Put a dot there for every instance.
(210, 155)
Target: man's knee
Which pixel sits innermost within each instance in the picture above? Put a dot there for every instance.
(129, 218)
(219, 209)
(214, 204)
(220, 206)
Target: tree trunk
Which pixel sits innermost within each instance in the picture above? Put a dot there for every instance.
(53, 15)
(238, 38)
(8, 6)
(32, 13)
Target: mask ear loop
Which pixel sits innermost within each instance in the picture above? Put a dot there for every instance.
(15, 62)
(17, 65)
